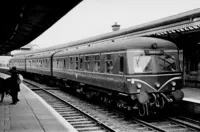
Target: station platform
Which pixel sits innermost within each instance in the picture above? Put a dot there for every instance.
(191, 95)
(30, 114)
(33, 114)
(191, 101)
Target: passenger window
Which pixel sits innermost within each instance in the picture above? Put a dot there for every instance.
(108, 64)
(76, 64)
(97, 63)
(71, 63)
(57, 64)
(54, 63)
(67, 62)
(87, 63)
(41, 63)
(64, 64)
(46, 64)
(81, 63)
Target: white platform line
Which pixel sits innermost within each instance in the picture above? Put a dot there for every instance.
(191, 100)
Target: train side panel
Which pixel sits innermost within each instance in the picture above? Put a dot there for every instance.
(19, 62)
(140, 73)
(108, 76)
(39, 64)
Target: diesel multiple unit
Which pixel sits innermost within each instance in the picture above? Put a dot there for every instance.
(140, 73)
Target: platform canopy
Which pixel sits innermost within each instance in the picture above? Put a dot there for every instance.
(21, 23)
(182, 28)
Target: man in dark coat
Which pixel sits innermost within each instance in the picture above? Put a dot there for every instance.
(14, 85)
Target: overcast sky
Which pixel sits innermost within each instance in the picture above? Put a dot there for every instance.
(95, 17)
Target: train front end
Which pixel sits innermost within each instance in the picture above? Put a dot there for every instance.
(154, 77)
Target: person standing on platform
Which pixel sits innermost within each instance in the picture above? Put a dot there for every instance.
(14, 84)
(2, 89)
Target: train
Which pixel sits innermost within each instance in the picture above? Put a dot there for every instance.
(141, 74)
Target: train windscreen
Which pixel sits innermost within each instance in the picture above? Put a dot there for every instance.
(153, 61)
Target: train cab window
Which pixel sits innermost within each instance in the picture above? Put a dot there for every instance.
(121, 64)
(96, 63)
(108, 64)
(167, 63)
(153, 62)
(142, 64)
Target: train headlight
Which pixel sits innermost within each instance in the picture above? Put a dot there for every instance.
(139, 85)
(157, 84)
(173, 83)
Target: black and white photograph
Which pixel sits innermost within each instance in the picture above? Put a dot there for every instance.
(100, 66)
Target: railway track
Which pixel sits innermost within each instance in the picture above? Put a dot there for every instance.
(78, 118)
(88, 117)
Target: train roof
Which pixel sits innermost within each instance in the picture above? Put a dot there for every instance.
(18, 57)
(131, 43)
(41, 55)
